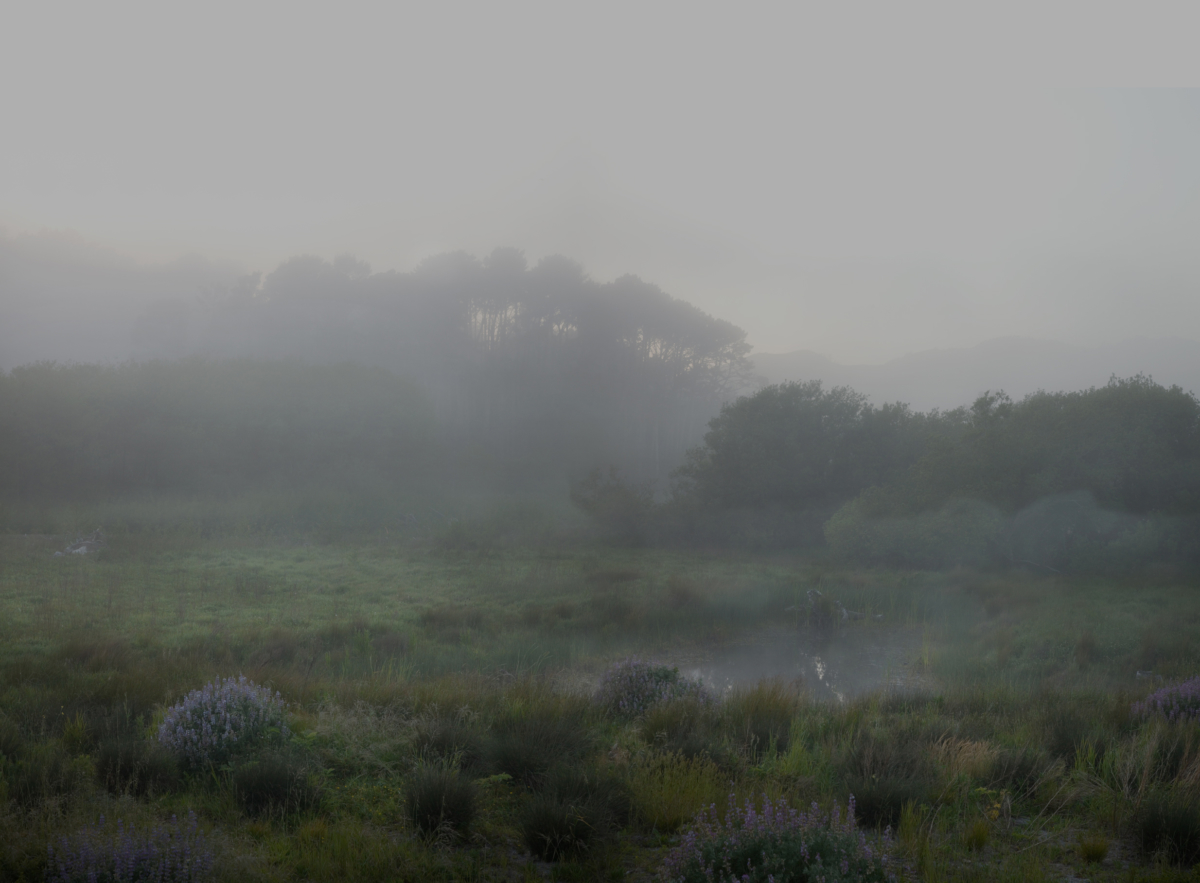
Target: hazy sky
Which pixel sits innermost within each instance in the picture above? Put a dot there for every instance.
(863, 183)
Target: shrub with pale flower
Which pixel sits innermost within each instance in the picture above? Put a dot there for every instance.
(778, 844)
(631, 687)
(222, 719)
(1175, 702)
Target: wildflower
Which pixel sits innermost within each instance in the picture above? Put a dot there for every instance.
(1175, 702)
(172, 853)
(211, 723)
(777, 844)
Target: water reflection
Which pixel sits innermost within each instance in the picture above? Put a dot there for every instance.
(832, 664)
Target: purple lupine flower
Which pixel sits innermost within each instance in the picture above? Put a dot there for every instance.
(209, 724)
(172, 853)
(1175, 702)
(633, 686)
(777, 843)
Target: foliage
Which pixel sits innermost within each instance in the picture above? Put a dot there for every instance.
(439, 801)
(631, 687)
(135, 766)
(555, 827)
(669, 788)
(797, 445)
(1175, 702)
(274, 784)
(221, 719)
(527, 745)
(177, 852)
(1168, 823)
(777, 843)
(760, 717)
(89, 431)
(621, 511)
(962, 532)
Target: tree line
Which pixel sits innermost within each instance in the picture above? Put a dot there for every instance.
(524, 365)
(1054, 480)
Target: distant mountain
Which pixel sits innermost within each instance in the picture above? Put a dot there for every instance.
(947, 378)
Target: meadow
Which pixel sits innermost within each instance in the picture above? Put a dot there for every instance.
(440, 689)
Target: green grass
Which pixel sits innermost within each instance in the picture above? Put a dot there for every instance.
(1016, 756)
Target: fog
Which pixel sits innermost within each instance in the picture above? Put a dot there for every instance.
(702, 151)
(475, 441)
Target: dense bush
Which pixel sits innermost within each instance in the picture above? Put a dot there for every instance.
(173, 853)
(633, 686)
(777, 844)
(221, 719)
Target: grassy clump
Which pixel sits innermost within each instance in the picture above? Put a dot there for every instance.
(760, 718)
(528, 745)
(440, 802)
(274, 785)
(554, 827)
(130, 765)
(669, 789)
(1167, 824)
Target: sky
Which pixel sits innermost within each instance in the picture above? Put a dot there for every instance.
(858, 181)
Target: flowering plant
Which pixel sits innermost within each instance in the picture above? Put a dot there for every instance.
(777, 845)
(1175, 702)
(173, 853)
(222, 718)
(630, 687)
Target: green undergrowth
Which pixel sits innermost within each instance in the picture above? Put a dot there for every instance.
(442, 724)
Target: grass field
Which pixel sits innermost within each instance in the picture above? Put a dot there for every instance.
(441, 665)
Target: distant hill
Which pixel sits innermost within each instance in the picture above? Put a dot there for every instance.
(947, 378)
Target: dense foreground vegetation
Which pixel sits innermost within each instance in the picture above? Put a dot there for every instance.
(435, 706)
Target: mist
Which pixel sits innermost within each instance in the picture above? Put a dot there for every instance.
(631, 442)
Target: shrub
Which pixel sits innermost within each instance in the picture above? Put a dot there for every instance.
(1169, 824)
(777, 844)
(452, 742)
(598, 786)
(631, 687)
(1021, 770)
(879, 802)
(1093, 848)
(273, 784)
(527, 747)
(440, 801)
(222, 719)
(686, 726)
(762, 716)
(670, 789)
(1175, 702)
(555, 827)
(172, 853)
(41, 772)
(135, 766)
